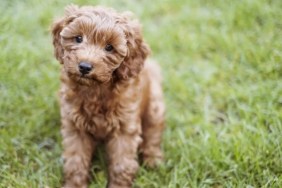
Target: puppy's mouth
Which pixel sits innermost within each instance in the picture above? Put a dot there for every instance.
(86, 79)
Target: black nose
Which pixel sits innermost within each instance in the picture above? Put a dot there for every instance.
(84, 67)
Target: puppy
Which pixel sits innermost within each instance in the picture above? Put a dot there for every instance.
(109, 93)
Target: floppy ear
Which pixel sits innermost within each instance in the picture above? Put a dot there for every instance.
(137, 52)
(58, 26)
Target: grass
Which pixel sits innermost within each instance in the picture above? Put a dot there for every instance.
(222, 67)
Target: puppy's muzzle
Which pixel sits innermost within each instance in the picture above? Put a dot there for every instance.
(84, 67)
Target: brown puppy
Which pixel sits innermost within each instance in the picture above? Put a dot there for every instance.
(109, 93)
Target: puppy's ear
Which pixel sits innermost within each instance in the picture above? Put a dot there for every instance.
(138, 50)
(58, 26)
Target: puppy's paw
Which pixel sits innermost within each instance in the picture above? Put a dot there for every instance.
(153, 161)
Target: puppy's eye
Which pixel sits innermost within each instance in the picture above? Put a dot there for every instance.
(109, 48)
(78, 39)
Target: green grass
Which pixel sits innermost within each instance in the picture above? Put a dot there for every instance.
(222, 67)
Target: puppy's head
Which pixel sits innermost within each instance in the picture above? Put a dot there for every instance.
(97, 44)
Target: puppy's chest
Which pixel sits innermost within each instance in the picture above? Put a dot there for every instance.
(100, 112)
(95, 116)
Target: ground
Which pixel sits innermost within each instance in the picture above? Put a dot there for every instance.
(222, 68)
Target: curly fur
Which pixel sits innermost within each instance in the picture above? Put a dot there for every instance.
(119, 103)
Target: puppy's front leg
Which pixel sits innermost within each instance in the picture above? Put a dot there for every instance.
(78, 150)
(123, 165)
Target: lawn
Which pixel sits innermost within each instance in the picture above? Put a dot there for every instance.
(222, 69)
